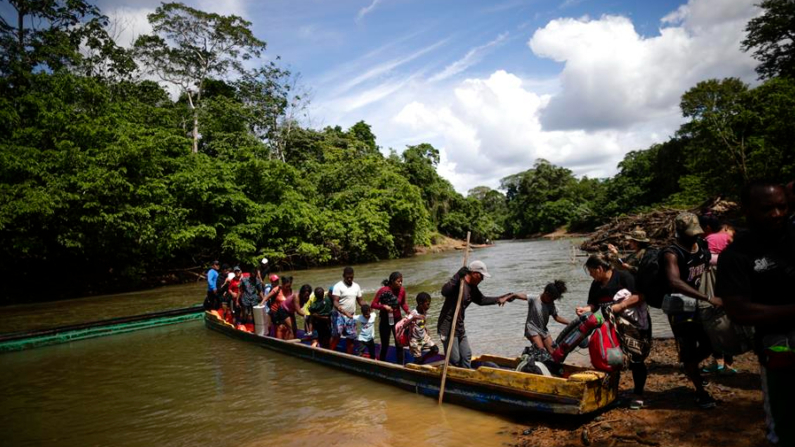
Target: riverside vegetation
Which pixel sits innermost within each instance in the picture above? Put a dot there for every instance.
(106, 179)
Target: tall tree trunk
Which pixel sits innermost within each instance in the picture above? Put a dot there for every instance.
(195, 132)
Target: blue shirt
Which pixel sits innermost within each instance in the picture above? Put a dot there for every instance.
(212, 277)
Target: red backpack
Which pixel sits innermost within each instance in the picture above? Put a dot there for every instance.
(403, 331)
(605, 349)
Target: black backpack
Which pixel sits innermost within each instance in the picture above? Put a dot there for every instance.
(650, 280)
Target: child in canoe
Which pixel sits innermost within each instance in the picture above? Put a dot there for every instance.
(366, 336)
(319, 308)
(421, 345)
(539, 309)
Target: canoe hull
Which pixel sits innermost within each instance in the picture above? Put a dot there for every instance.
(489, 397)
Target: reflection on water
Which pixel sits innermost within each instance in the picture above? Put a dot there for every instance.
(187, 385)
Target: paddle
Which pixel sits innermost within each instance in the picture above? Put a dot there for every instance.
(451, 336)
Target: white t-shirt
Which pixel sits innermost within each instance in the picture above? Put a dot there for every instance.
(348, 295)
(367, 327)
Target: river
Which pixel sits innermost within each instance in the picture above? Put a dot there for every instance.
(186, 385)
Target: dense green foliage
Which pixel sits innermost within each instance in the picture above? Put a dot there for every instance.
(771, 36)
(105, 180)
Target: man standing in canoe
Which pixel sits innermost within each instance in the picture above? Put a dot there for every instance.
(461, 354)
(346, 295)
(211, 302)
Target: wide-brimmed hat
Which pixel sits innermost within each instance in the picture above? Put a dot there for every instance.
(637, 235)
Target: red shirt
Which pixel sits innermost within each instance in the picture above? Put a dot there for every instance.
(234, 287)
(401, 297)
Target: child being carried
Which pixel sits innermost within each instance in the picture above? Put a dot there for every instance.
(421, 345)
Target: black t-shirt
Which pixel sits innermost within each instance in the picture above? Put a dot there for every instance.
(602, 294)
(762, 271)
(691, 265)
(450, 293)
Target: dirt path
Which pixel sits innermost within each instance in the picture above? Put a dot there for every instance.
(670, 417)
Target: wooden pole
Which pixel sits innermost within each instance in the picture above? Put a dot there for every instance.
(451, 336)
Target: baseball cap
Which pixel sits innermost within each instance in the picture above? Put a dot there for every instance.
(274, 278)
(479, 267)
(264, 261)
(237, 268)
(687, 224)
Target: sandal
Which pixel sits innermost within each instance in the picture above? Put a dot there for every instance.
(636, 404)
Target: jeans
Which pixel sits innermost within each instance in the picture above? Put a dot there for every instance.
(385, 330)
(461, 353)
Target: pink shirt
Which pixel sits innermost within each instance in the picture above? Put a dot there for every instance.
(289, 303)
(717, 242)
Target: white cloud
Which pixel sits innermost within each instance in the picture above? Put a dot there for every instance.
(126, 24)
(614, 78)
(618, 91)
(471, 58)
(388, 66)
(224, 7)
(367, 10)
(489, 128)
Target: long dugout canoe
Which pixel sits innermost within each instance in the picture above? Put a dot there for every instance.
(18, 341)
(494, 390)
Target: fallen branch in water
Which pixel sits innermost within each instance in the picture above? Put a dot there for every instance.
(635, 438)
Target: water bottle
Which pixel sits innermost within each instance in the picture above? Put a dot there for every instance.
(391, 319)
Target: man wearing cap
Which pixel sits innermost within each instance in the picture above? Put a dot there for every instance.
(683, 263)
(461, 354)
(274, 282)
(638, 243)
(212, 278)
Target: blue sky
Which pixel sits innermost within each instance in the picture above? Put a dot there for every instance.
(495, 85)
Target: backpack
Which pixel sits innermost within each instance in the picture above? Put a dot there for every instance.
(605, 349)
(403, 331)
(650, 279)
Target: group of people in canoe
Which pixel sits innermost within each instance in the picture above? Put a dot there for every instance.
(330, 316)
(754, 289)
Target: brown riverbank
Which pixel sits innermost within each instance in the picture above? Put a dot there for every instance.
(443, 243)
(670, 417)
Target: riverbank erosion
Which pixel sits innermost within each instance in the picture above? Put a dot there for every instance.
(670, 416)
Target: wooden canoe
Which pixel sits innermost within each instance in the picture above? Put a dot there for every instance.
(18, 341)
(496, 390)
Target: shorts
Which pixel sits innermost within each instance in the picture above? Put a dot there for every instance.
(691, 340)
(417, 345)
(342, 326)
(279, 317)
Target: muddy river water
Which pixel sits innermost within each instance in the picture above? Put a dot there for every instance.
(186, 385)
